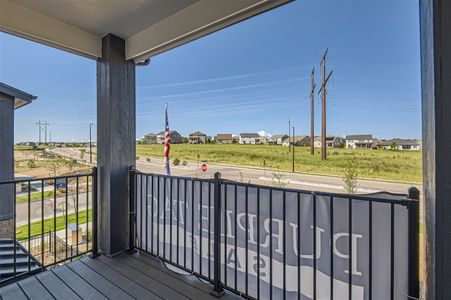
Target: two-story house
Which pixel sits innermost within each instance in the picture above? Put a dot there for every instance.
(362, 141)
(175, 137)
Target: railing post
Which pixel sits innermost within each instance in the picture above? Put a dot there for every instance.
(95, 246)
(132, 213)
(218, 290)
(414, 243)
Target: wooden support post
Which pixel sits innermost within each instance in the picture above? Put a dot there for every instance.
(116, 143)
(435, 20)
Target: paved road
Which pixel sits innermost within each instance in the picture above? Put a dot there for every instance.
(259, 176)
(36, 206)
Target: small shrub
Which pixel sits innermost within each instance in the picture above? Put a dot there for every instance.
(148, 159)
(350, 177)
(31, 164)
(184, 163)
(176, 162)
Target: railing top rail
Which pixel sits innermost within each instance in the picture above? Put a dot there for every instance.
(396, 198)
(27, 180)
(172, 176)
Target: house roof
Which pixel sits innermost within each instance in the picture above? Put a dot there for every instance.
(401, 142)
(21, 98)
(297, 138)
(224, 136)
(197, 133)
(148, 27)
(249, 135)
(150, 134)
(359, 137)
(278, 136)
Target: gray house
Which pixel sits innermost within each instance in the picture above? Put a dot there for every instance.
(197, 137)
(150, 138)
(175, 137)
(277, 139)
(402, 144)
(224, 138)
(250, 139)
(362, 141)
(298, 140)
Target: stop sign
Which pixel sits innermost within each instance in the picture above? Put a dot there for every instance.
(204, 167)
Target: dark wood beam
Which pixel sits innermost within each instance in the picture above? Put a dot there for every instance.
(436, 107)
(116, 117)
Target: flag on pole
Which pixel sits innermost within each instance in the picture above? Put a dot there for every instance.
(167, 143)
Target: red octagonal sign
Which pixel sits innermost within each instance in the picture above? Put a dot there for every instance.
(204, 168)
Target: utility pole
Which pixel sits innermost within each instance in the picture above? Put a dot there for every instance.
(45, 124)
(90, 142)
(312, 114)
(323, 92)
(292, 167)
(39, 123)
(289, 134)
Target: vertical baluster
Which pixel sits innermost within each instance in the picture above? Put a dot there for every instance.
(270, 244)
(350, 250)
(54, 220)
(200, 228)
(258, 243)
(147, 213)
(76, 210)
(314, 246)
(284, 212)
(29, 223)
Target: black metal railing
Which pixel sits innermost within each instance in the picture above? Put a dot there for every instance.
(52, 220)
(276, 243)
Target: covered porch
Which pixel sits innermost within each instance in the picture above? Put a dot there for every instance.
(123, 35)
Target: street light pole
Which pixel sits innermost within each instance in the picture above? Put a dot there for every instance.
(90, 142)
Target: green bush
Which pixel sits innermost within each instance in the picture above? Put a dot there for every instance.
(176, 162)
(31, 164)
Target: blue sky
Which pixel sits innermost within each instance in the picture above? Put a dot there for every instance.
(250, 77)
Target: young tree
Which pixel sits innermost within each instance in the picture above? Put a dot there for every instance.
(350, 177)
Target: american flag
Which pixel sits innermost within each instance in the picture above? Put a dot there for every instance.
(167, 143)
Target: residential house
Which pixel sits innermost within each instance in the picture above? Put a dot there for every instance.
(359, 141)
(402, 144)
(331, 142)
(150, 138)
(277, 139)
(224, 138)
(250, 139)
(299, 140)
(175, 137)
(197, 137)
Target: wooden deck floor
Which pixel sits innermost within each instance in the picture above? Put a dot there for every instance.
(136, 276)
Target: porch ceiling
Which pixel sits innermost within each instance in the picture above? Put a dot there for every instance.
(149, 27)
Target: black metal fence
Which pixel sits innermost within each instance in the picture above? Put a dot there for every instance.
(53, 220)
(276, 243)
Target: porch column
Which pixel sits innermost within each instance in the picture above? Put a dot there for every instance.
(436, 103)
(6, 164)
(116, 140)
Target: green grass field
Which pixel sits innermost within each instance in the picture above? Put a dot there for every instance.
(400, 166)
(36, 227)
(34, 196)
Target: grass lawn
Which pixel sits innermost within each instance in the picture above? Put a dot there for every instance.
(34, 196)
(400, 166)
(36, 229)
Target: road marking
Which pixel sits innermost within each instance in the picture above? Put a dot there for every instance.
(317, 184)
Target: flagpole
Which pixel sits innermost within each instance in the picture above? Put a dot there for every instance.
(167, 142)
